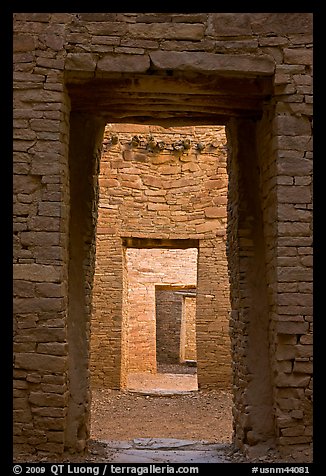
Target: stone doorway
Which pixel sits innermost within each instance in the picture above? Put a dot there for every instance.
(247, 131)
(164, 193)
(160, 188)
(176, 325)
(83, 71)
(152, 318)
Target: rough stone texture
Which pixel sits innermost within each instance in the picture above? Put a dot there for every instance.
(158, 183)
(147, 269)
(169, 309)
(188, 341)
(230, 64)
(150, 450)
(120, 64)
(57, 111)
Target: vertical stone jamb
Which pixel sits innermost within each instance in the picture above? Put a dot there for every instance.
(188, 349)
(124, 322)
(41, 215)
(250, 316)
(86, 134)
(212, 322)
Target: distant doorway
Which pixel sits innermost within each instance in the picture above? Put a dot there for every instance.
(154, 317)
(176, 329)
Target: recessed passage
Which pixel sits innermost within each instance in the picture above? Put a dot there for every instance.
(161, 290)
(153, 311)
(161, 189)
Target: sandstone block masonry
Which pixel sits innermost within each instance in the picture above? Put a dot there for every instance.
(176, 325)
(151, 335)
(169, 185)
(75, 72)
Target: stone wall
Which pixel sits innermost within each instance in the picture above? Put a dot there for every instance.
(188, 341)
(168, 326)
(146, 269)
(176, 325)
(164, 184)
(74, 72)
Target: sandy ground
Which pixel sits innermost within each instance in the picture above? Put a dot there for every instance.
(152, 409)
(204, 415)
(163, 405)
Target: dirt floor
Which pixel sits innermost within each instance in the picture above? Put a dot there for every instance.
(159, 407)
(163, 405)
(204, 415)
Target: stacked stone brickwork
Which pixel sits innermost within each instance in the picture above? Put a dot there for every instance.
(73, 73)
(175, 325)
(188, 345)
(168, 326)
(166, 184)
(146, 269)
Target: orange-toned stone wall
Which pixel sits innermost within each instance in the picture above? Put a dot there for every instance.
(169, 184)
(147, 268)
(168, 326)
(73, 70)
(188, 350)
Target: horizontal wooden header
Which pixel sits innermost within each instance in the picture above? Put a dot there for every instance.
(133, 242)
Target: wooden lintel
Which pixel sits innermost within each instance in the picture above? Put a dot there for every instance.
(141, 243)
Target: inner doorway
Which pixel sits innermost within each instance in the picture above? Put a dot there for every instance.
(242, 101)
(159, 328)
(175, 326)
(160, 188)
(154, 202)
